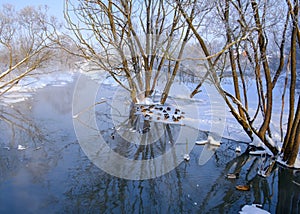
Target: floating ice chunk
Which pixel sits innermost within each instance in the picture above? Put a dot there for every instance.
(208, 150)
(202, 142)
(212, 141)
(258, 152)
(253, 209)
(20, 147)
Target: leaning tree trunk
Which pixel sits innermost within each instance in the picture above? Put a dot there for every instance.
(294, 142)
(291, 140)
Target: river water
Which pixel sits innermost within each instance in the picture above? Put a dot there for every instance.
(50, 173)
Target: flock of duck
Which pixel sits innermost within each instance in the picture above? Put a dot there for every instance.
(161, 113)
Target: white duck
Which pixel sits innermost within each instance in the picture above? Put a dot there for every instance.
(186, 157)
(238, 149)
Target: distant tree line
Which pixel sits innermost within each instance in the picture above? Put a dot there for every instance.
(29, 40)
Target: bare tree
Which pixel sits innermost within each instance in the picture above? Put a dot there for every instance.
(292, 137)
(24, 42)
(132, 40)
(257, 29)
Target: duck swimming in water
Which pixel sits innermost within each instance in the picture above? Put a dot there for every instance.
(186, 157)
(238, 149)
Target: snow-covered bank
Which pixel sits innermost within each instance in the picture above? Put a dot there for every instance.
(29, 84)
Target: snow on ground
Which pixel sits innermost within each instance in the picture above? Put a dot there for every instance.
(29, 84)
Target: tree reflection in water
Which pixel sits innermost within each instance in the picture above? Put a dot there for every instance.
(275, 193)
(54, 175)
(288, 191)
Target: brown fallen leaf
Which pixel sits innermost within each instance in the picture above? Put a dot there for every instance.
(243, 187)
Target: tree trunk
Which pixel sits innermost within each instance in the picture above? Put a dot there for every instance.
(232, 60)
(263, 52)
(177, 64)
(292, 146)
(292, 138)
(295, 138)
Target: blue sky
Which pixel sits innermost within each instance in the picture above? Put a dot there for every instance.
(55, 6)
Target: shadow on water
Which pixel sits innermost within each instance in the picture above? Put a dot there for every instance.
(52, 174)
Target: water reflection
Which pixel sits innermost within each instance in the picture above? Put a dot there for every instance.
(26, 175)
(288, 191)
(54, 175)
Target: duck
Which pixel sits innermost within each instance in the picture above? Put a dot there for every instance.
(238, 149)
(175, 119)
(186, 157)
(166, 116)
(144, 109)
(233, 175)
(112, 136)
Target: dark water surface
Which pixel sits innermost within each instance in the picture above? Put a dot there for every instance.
(53, 175)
